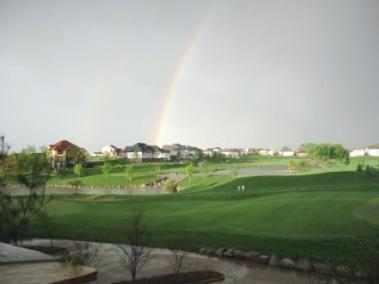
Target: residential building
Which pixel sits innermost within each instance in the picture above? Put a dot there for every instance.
(110, 151)
(232, 153)
(65, 154)
(373, 151)
(145, 153)
(301, 153)
(286, 152)
(357, 153)
(266, 152)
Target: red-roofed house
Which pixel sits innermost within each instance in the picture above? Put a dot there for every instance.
(64, 154)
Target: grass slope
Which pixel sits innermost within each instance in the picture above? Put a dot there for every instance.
(296, 216)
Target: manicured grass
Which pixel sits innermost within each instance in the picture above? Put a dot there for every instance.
(318, 216)
(147, 172)
(143, 173)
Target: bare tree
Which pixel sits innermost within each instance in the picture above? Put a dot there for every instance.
(88, 252)
(137, 250)
(178, 255)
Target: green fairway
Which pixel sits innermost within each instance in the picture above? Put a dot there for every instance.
(317, 216)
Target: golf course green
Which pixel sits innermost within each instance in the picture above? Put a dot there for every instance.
(318, 216)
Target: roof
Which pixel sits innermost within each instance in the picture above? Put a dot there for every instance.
(63, 145)
(143, 147)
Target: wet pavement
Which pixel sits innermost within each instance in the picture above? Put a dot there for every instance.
(111, 270)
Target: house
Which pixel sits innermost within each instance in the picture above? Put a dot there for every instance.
(212, 152)
(145, 153)
(373, 151)
(266, 152)
(65, 154)
(182, 152)
(301, 153)
(357, 153)
(286, 152)
(96, 154)
(232, 153)
(110, 151)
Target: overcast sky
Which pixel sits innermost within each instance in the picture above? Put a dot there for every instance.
(261, 73)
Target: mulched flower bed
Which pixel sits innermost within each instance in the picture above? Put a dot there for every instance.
(194, 277)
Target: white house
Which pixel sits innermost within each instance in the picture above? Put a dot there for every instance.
(266, 152)
(357, 153)
(373, 152)
(210, 152)
(110, 151)
(143, 153)
(231, 153)
(286, 152)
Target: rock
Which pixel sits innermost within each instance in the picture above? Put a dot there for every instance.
(343, 270)
(229, 253)
(321, 268)
(251, 255)
(219, 252)
(303, 265)
(203, 251)
(287, 263)
(210, 251)
(274, 261)
(239, 254)
(263, 259)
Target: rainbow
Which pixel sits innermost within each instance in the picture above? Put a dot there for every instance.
(166, 106)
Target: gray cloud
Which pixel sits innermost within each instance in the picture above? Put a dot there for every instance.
(263, 73)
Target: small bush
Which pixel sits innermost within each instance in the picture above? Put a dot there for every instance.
(370, 171)
(75, 182)
(359, 168)
(75, 259)
(171, 187)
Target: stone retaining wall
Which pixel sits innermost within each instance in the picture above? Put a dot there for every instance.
(303, 265)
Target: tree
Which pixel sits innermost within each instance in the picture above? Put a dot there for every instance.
(47, 222)
(158, 172)
(16, 213)
(78, 169)
(8, 162)
(137, 250)
(205, 170)
(291, 166)
(129, 170)
(189, 171)
(177, 255)
(234, 172)
(106, 168)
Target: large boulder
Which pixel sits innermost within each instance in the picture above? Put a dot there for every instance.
(287, 263)
(322, 268)
(203, 251)
(344, 270)
(251, 255)
(274, 261)
(220, 252)
(239, 254)
(210, 251)
(229, 253)
(263, 259)
(303, 265)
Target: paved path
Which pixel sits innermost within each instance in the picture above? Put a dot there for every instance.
(238, 272)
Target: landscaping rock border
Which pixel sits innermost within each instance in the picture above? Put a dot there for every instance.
(303, 265)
